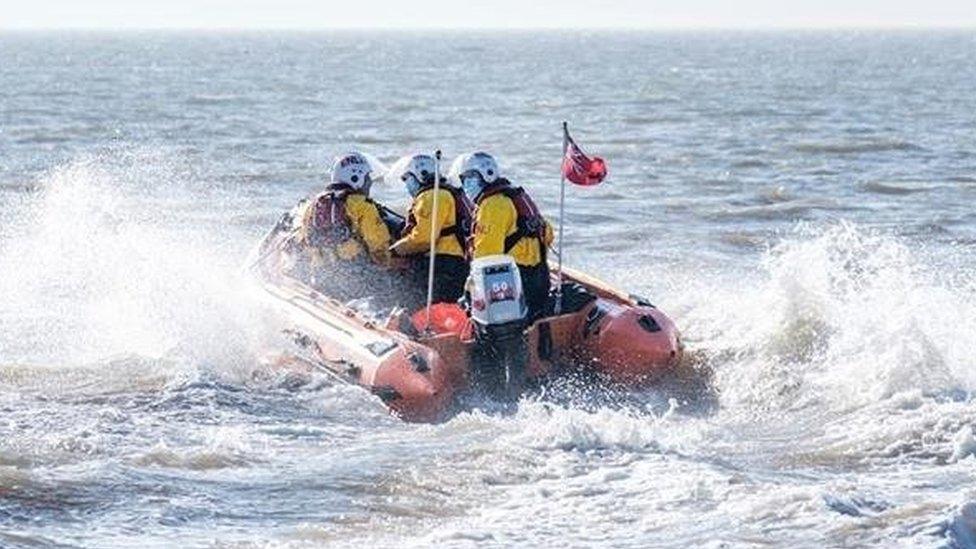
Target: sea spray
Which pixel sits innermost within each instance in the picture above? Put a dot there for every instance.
(104, 263)
(837, 316)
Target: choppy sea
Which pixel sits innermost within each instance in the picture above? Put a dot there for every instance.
(801, 203)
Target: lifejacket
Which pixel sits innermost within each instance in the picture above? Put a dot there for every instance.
(330, 225)
(463, 216)
(529, 224)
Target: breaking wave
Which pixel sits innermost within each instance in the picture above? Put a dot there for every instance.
(840, 328)
(108, 260)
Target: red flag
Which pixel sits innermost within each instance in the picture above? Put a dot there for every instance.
(580, 168)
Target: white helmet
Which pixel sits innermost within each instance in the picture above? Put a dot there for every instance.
(352, 169)
(481, 162)
(473, 172)
(415, 171)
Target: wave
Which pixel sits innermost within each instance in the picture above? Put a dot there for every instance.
(744, 239)
(118, 375)
(823, 172)
(225, 451)
(646, 119)
(960, 529)
(745, 164)
(202, 99)
(778, 205)
(25, 187)
(842, 317)
(103, 270)
(46, 138)
(774, 195)
(846, 147)
(897, 189)
(543, 426)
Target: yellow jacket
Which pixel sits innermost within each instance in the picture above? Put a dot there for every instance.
(417, 238)
(495, 219)
(369, 234)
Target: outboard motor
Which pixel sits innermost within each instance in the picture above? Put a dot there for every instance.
(499, 317)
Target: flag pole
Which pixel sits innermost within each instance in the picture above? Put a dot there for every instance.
(557, 309)
(434, 233)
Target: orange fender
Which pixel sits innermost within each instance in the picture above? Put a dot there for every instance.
(630, 343)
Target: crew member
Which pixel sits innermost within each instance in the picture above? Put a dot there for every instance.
(343, 233)
(451, 224)
(507, 221)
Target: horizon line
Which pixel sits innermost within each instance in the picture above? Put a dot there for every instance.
(657, 28)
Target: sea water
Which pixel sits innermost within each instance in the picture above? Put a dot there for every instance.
(801, 203)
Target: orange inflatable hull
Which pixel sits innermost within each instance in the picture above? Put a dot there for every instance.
(616, 336)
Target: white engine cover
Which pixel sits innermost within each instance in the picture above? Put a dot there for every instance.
(495, 287)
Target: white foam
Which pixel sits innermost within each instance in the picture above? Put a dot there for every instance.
(841, 317)
(964, 444)
(107, 262)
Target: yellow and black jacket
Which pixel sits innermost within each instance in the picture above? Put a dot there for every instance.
(344, 225)
(451, 223)
(506, 221)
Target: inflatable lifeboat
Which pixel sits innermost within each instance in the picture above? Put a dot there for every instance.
(419, 366)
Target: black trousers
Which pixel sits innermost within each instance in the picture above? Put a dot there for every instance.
(450, 274)
(535, 286)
